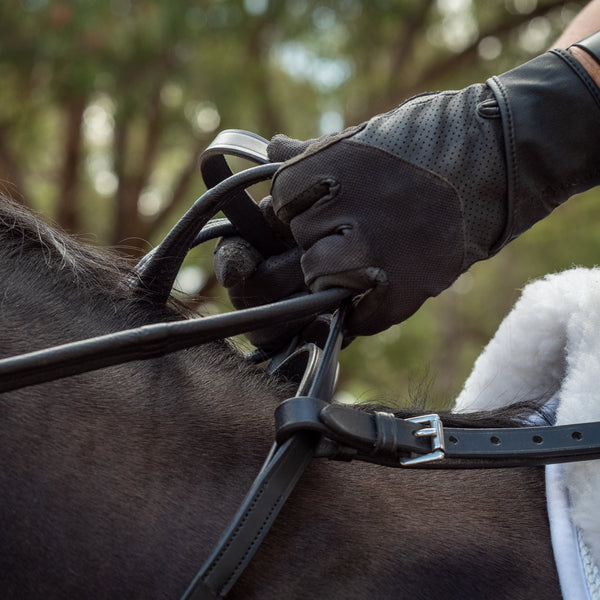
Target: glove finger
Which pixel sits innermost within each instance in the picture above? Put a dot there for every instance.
(294, 191)
(273, 279)
(282, 148)
(272, 338)
(279, 227)
(252, 281)
(341, 260)
(306, 177)
(235, 260)
(370, 313)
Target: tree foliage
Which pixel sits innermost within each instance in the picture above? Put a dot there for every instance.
(105, 107)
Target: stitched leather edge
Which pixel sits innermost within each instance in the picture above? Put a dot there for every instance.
(511, 158)
(580, 71)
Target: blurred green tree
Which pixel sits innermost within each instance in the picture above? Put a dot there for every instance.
(105, 107)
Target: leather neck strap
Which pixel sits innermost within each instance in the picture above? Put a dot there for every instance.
(385, 439)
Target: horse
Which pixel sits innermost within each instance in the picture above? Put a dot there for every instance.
(117, 483)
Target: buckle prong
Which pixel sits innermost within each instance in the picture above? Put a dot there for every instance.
(436, 432)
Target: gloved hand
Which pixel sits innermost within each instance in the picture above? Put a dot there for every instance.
(401, 205)
(251, 280)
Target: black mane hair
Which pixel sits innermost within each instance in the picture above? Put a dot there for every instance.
(23, 232)
(518, 414)
(81, 266)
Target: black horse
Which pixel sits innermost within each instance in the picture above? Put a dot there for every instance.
(117, 483)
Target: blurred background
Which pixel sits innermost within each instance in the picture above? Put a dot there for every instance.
(105, 107)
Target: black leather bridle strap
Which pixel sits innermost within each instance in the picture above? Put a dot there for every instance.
(270, 490)
(557, 443)
(254, 519)
(153, 341)
(385, 439)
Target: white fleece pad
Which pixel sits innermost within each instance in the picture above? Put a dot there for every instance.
(549, 345)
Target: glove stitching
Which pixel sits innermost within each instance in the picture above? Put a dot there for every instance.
(511, 161)
(580, 71)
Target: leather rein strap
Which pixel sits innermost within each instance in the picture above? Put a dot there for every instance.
(240, 209)
(154, 341)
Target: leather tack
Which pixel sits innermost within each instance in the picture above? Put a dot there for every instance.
(387, 440)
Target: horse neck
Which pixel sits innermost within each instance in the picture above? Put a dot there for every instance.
(118, 483)
(115, 474)
(110, 475)
(134, 488)
(124, 471)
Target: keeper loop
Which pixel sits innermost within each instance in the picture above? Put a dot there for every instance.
(387, 439)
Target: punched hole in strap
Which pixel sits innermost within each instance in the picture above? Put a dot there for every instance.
(387, 438)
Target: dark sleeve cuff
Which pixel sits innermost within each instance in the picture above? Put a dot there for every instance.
(550, 110)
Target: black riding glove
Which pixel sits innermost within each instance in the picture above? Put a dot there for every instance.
(401, 205)
(252, 280)
(406, 202)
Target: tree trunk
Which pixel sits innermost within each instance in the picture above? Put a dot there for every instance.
(67, 213)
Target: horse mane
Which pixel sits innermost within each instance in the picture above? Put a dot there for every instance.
(518, 414)
(52, 256)
(23, 232)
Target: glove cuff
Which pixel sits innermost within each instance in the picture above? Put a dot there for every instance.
(550, 110)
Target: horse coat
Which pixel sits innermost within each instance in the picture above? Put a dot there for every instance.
(549, 347)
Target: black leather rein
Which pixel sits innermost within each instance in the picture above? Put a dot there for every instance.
(153, 341)
(308, 425)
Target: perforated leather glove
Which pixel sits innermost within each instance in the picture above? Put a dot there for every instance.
(404, 203)
(400, 206)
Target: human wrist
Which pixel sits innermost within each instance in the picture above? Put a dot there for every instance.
(587, 53)
(587, 62)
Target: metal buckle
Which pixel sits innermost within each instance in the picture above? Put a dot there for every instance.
(435, 431)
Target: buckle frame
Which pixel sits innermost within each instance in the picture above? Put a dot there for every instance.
(435, 431)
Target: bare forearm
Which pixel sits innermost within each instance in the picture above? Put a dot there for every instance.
(585, 23)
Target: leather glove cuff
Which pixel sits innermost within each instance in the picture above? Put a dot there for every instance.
(551, 151)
